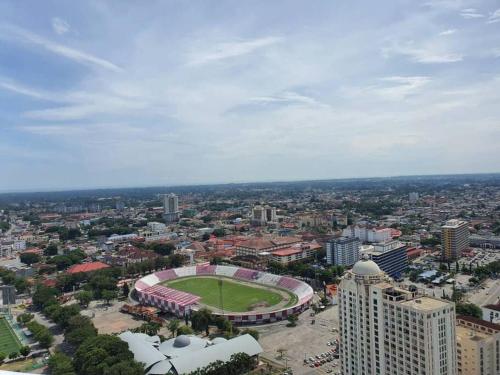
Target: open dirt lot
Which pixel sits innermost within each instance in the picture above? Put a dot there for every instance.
(109, 319)
(303, 341)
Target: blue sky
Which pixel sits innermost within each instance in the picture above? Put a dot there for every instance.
(134, 93)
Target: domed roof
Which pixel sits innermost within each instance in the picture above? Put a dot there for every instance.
(182, 341)
(366, 267)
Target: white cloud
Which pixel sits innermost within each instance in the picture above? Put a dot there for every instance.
(494, 17)
(448, 32)
(13, 32)
(17, 88)
(471, 13)
(390, 88)
(60, 26)
(227, 50)
(287, 97)
(426, 54)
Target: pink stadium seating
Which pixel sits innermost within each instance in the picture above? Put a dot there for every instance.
(172, 295)
(289, 283)
(205, 270)
(246, 274)
(166, 275)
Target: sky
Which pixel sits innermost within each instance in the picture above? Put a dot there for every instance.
(142, 93)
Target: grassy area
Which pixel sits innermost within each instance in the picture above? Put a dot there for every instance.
(236, 296)
(8, 340)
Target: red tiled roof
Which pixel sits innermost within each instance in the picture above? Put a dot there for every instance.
(87, 267)
(493, 307)
(287, 251)
(479, 322)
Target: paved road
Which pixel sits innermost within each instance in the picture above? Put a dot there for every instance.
(487, 296)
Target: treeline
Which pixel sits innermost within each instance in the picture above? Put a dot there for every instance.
(65, 234)
(9, 277)
(306, 270)
(240, 363)
(481, 273)
(94, 354)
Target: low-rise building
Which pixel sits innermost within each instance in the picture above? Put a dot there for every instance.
(295, 252)
(491, 313)
(478, 346)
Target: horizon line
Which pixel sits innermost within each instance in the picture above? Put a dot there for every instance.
(82, 189)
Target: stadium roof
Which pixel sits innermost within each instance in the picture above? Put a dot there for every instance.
(189, 352)
(143, 349)
(222, 352)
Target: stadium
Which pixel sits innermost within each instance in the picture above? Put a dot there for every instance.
(242, 295)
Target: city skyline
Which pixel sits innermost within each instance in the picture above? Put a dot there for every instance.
(99, 95)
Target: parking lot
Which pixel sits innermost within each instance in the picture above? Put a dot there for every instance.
(305, 342)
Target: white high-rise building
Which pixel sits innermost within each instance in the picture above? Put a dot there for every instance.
(171, 207)
(385, 330)
(261, 215)
(413, 197)
(343, 251)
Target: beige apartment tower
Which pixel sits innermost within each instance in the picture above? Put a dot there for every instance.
(454, 239)
(386, 330)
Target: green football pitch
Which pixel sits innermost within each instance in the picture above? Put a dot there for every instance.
(236, 297)
(8, 341)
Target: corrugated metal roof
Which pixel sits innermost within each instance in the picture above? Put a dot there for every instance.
(143, 350)
(222, 351)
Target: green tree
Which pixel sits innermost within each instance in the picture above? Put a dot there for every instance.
(2, 357)
(60, 364)
(149, 328)
(79, 329)
(100, 282)
(184, 330)
(162, 248)
(44, 296)
(125, 289)
(25, 350)
(61, 262)
(128, 367)
(63, 314)
(41, 334)
(173, 326)
(25, 318)
(50, 250)
(469, 309)
(201, 320)
(252, 332)
(84, 297)
(29, 258)
(292, 320)
(21, 284)
(109, 295)
(98, 355)
(13, 355)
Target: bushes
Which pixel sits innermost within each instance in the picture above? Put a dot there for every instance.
(25, 318)
(41, 334)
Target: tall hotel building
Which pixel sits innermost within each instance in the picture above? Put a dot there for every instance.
(385, 330)
(454, 239)
(171, 207)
